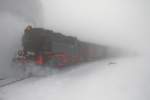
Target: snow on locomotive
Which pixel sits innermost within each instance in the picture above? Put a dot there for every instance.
(45, 47)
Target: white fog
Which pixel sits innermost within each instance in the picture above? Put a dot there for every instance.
(122, 24)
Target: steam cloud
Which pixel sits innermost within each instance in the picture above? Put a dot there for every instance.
(14, 16)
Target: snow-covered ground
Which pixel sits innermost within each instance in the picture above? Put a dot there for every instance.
(126, 79)
(116, 23)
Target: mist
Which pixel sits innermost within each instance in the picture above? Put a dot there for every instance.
(113, 23)
(121, 23)
(15, 15)
(28, 10)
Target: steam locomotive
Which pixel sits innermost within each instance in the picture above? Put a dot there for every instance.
(46, 47)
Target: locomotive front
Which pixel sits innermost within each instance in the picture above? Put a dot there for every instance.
(33, 42)
(43, 46)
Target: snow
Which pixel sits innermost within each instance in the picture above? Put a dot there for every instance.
(115, 23)
(125, 80)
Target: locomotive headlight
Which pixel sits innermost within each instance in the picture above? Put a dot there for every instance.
(20, 52)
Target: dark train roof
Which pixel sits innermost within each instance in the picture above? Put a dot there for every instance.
(36, 38)
(55, 36)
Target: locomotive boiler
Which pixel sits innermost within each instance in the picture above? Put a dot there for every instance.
(46, 47)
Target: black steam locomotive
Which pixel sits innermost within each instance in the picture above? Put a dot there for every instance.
(45, 47)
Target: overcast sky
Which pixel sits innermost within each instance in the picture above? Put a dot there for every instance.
(122, 23)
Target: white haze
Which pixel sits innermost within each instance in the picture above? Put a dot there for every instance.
(15, 15)
(119, 23)
(122, 23)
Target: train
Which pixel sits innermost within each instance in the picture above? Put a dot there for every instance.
(46, 47)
